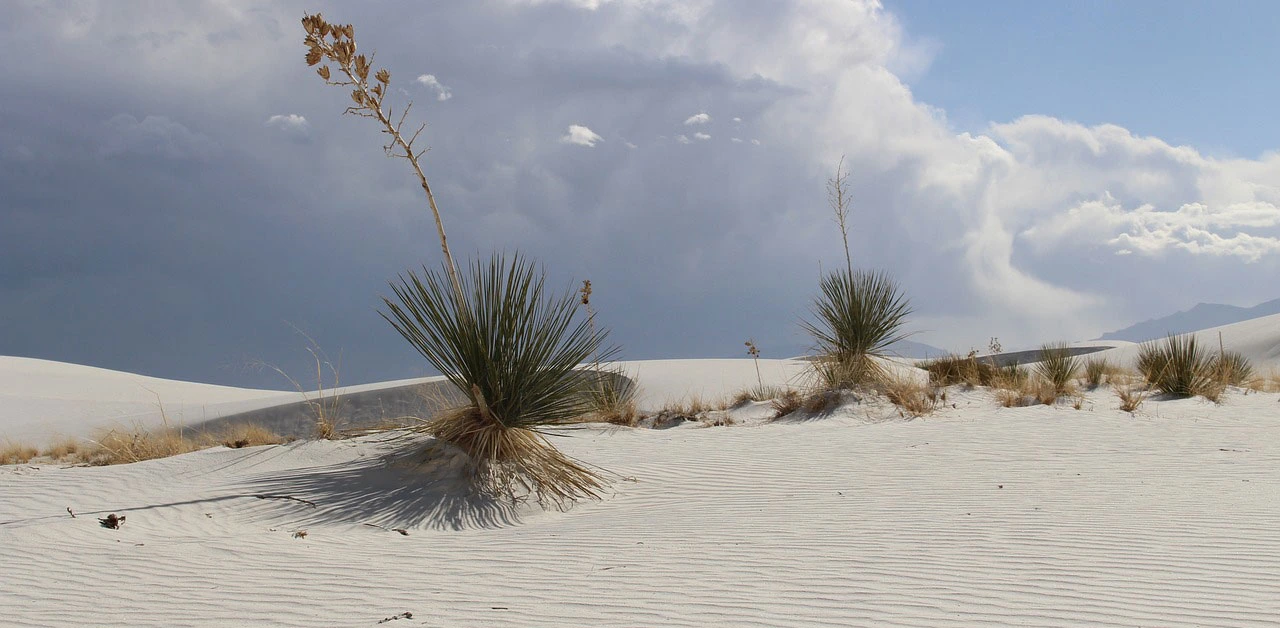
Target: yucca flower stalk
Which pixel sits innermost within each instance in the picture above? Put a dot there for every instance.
(336, 43)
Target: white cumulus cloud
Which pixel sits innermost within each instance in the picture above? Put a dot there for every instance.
(581, 136)
(701, 136)
(430, 81)
(699, 118)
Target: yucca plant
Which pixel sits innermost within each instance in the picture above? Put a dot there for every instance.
(1178, 366)
(1057, 366)
(513, 349)
(1095, 371)
(857, 316)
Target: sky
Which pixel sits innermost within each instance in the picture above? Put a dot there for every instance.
(180, 196)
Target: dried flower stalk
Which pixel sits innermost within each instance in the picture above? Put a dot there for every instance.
(337, 44)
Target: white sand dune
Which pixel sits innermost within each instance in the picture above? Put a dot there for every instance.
(977, 516)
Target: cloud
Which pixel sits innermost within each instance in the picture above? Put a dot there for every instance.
(1021, 229)
(701, 118)
(701, 136)
(443, 93)
(293, 125)
(581, 136)
(153, 136)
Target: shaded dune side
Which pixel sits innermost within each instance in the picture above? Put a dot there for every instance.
(394, 406)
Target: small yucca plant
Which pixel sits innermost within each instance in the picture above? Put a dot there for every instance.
(1057, 366)
(1178, 366)
(1095, 371)
(857, 316)
(513, 350)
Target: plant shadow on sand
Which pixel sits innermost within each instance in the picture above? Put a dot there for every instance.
(417, 483)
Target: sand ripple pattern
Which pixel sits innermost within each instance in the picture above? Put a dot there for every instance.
(1026, 517)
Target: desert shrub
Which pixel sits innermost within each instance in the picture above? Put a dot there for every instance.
(1178, 366)
(1057, 366)
(513, 350)
(857, 316)
(1231, 368)
(950, 370)
(17, 453)
(1096, 371)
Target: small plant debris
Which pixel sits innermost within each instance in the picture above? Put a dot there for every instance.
(404, 615)
(73, 515)
(300, 534)
(112, 521)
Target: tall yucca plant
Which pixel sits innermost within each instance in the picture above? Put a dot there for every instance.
(503, 342)
(512, 348)
(856, 317)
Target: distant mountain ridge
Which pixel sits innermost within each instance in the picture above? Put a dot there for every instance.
(1202, 316)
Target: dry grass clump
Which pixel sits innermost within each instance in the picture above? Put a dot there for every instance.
(63, 448)
(1264, 382)
(786, 403)
(121, 447)
(249, 435)
(912, 396)
(692, 406)
(17, 453)
(610, 396)
(1131, 397)
(759, 393)
(951, 369)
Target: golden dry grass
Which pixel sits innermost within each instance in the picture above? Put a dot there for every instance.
(248, 435)
(125, 446)
(913, 397)
(1264, 382)
(788, 402)
(119, 446)
(63, 448)
(17, 453)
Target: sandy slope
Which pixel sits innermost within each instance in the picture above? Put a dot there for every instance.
(978, 516)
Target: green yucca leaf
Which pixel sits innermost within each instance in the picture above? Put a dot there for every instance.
(505, 335)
